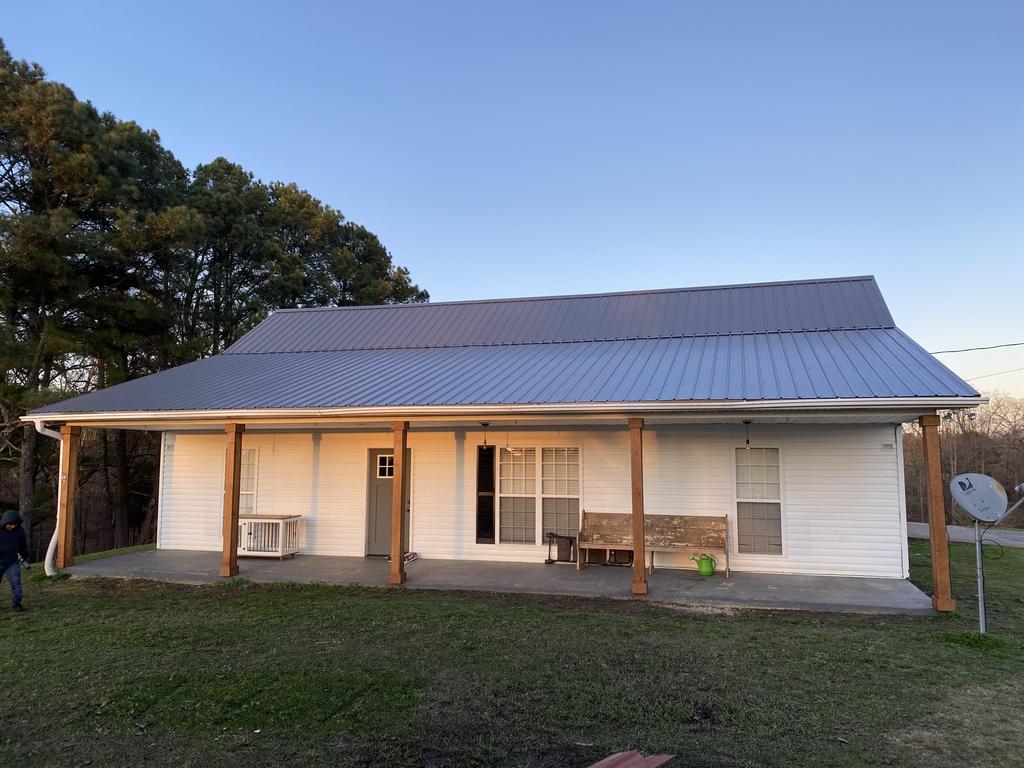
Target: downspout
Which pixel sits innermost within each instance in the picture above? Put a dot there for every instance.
(51, 550)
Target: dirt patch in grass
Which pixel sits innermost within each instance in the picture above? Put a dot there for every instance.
(717, 611)
(977, 725)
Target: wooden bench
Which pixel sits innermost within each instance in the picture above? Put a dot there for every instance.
(684, 534)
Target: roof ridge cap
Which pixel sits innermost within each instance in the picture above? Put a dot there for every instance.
(570, 296)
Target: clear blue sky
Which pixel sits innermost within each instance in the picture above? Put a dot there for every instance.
(559, 147)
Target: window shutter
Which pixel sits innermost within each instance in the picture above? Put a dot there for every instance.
(485, 494)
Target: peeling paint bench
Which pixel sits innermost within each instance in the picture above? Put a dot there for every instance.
(682, 534)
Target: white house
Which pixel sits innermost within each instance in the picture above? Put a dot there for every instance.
(776, 406)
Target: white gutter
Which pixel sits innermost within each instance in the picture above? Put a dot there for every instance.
(392, 411)
(51, 550)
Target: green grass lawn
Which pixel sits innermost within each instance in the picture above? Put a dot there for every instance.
(113, 553)
(104, 672)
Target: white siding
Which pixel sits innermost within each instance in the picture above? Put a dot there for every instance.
(192, 492)
(319, 476)
(337, 521)
(842, 494)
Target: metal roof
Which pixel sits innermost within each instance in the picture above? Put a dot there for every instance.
(812, 305)
(866, 363)
(809, 340)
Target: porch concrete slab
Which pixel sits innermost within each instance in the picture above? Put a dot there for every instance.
(743, 590)
(195, 567)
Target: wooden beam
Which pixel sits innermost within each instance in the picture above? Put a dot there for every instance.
(70, 438)
(232, 486)
(942, 595)
(636, 455)
(396, 576)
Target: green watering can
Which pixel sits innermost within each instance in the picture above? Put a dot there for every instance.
(705, 564)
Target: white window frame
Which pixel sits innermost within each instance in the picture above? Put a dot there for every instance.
(392, 466)
(538, 494)
(255, 481)
(540, 487)
(734, 514)
(535, 495)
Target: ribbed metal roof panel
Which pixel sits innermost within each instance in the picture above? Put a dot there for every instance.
(817, 305)
(865, 363)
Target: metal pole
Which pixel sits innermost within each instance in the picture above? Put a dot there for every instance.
(981, 577)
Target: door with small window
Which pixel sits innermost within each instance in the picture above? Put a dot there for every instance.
(380, 482)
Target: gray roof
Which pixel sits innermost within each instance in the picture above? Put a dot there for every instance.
(813, 305)
(813, 340)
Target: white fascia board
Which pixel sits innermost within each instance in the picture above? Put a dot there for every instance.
(922, 404)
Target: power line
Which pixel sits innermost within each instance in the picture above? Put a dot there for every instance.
(973, 349)
(997, 373)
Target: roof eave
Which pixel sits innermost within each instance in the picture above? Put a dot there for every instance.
(922, 404)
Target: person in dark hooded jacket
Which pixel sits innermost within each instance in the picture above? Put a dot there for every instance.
(13, 549)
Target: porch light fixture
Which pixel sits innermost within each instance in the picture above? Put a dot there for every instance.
(485, 425)
(746, 425)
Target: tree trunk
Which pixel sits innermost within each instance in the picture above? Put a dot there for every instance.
(121, 501)
(27, 477)
(147, 533)
(109, 535)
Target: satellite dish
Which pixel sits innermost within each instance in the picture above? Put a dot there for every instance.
(980, 496)
(985, 500)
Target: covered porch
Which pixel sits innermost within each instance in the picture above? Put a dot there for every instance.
(685, 588)
(447, 493)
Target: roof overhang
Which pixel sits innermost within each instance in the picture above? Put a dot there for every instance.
(890, 410)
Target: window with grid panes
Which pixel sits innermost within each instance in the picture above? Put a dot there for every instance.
(517, 492)
(560, 491)
(758, 501)
(247, 482)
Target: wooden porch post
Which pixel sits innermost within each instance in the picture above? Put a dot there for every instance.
(942, 595)
(70, 437)
(396, 576)
(232, 485)
(636, 453)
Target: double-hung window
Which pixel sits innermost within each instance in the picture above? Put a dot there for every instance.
(560, 491)
(758, 501)
(520, 495)
(517, 489)
(247, 482)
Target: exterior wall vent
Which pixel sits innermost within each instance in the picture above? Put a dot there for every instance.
(888, 447)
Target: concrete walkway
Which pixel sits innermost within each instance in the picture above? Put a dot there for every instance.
(743, 590)
(1007, 537)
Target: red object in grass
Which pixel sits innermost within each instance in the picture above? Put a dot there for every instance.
(631, 760)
